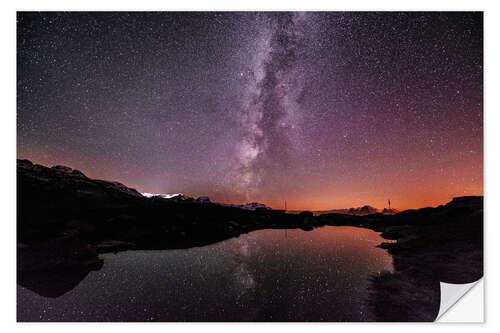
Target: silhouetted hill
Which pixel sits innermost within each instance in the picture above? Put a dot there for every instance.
(179, 197)
(389, 211)
(61, 209)
(358, 211)
(66, 219)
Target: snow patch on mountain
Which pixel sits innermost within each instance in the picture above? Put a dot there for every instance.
(249, 206)
(161, 195)
(177, 197)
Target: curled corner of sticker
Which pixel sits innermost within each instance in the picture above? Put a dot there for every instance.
(451, 294)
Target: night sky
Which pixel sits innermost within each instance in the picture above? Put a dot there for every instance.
(326, 110)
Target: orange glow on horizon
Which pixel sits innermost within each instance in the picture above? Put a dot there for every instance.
(426, 189)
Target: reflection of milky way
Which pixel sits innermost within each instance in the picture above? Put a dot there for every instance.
(264, 275)
(243, 278)
(322, 109)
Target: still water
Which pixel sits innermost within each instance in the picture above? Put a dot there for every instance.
(266, 275)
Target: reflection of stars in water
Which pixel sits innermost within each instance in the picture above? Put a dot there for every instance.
(243, 278)
(316, 275)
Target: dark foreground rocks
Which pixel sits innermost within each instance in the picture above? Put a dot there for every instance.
(65, 220)
(446, 245)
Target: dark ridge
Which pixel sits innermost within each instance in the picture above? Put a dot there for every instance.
(66, 219)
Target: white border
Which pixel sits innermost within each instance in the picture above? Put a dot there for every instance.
(8, 137)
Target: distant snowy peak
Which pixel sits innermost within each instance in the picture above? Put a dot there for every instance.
(254, 206)
(161, 195)
(359, 211)
(177, 197)
(250, 206)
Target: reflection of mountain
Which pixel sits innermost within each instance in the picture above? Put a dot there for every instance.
(51, 283)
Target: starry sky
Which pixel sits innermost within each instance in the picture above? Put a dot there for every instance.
(322, 109)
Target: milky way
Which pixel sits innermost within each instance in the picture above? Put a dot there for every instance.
(324, 109)
(270, 106)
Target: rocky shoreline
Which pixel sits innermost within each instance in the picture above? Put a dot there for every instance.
(65, 220)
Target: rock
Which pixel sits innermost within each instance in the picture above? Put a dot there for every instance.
(114, 246)
(473, 202)
(181, 198)
(78, 173)
(53, 283)
(24, 162)
(39, 183)
(391, 211)
(67, 252)
(203, 200)
(305, 214)
(233, 224)
(307, 221)
(385, 245)
(396, 232)
(357, 211)
(306, 227)
(254, 206)
(365, 210)
(22, 246)
(62, 168)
